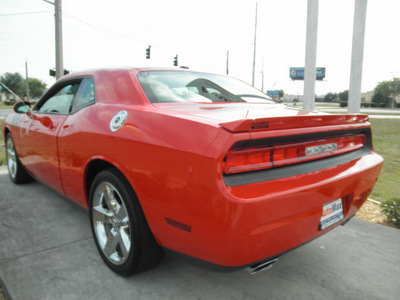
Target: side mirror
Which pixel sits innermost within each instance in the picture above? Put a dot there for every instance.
(22, 107)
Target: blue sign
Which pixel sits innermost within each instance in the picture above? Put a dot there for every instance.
(276, 93)
(298, 73)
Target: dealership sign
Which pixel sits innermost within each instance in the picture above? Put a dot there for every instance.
(298, 73)
(273, 94)
(276, 93)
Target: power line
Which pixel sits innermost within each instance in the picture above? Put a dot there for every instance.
(103, 30)
(24, 13)
(124, 37)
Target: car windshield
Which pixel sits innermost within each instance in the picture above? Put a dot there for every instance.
(175, 86)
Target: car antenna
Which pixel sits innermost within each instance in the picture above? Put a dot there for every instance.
(18, 98)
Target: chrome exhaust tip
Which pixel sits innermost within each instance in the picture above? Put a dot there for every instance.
(257, 268)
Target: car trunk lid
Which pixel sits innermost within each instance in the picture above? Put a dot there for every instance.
(252, 117)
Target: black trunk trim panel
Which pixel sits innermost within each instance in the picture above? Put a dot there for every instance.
(301, 168)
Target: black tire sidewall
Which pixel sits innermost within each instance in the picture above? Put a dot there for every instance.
(21, 176)
(130, 201)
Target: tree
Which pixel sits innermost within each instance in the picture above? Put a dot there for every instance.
(344, 96)
(386, 92)
(330, 97)
(281, 93)
(381, 98)
(15, 82)
(36, 87)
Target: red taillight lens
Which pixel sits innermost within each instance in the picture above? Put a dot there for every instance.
(244, 160)
(251, 159)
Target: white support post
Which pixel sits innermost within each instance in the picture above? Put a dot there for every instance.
(310, 68)
(357, 56)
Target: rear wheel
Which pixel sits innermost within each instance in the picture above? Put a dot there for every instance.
(15, 169)
(120, 230)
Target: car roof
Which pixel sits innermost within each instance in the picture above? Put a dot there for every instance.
(135, 70)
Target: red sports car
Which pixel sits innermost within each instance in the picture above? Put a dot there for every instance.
(195, 164)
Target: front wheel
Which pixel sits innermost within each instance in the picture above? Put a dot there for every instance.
(15, 169)
(119, 228)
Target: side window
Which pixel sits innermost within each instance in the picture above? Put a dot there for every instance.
(61, 102)
(85, 95)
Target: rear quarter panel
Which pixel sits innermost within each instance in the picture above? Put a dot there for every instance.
(161, 155)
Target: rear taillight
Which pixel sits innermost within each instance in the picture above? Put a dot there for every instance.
(251, 159)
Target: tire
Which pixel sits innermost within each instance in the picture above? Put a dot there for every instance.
(16, 171)
(120, 230)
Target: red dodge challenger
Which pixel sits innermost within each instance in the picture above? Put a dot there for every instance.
(199, 165)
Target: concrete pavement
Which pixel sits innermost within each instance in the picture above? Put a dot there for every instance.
(384, 116)
(374, 113)
(363, 110)
(47, 252)
(4, 113)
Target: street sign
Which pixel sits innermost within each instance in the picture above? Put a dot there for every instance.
(276, 92)
(298, 73)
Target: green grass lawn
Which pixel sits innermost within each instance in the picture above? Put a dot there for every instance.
(386, 139)
(386, 136)
(3, 106)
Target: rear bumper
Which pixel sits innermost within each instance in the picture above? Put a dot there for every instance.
(236, 226)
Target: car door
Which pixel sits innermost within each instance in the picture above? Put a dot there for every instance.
(76, 141)
(40, 149)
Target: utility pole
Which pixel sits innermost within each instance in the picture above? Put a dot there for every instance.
(227, 62)
(262, 76)
(255, 46)
(59, 39)
(357, 56)
(310, 68)
(27, 81)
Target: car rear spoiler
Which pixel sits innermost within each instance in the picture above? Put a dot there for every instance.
(249, 125)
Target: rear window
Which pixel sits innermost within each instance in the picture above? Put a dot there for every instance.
(175, 86)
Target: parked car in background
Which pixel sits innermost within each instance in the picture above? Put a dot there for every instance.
(194, 164)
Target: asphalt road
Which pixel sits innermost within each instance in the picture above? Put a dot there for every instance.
(374, 113)
(4, 113)
(47, 252)
(364, 110)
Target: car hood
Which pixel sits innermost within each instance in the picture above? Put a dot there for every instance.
(239, 117)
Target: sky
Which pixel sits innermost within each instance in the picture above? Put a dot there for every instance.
(100, 33)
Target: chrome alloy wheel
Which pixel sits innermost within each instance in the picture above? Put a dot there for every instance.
(11, 158)
(111, 223)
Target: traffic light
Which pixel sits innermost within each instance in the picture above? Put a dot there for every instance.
(52, 72)
(148, 52)
(176, 60)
